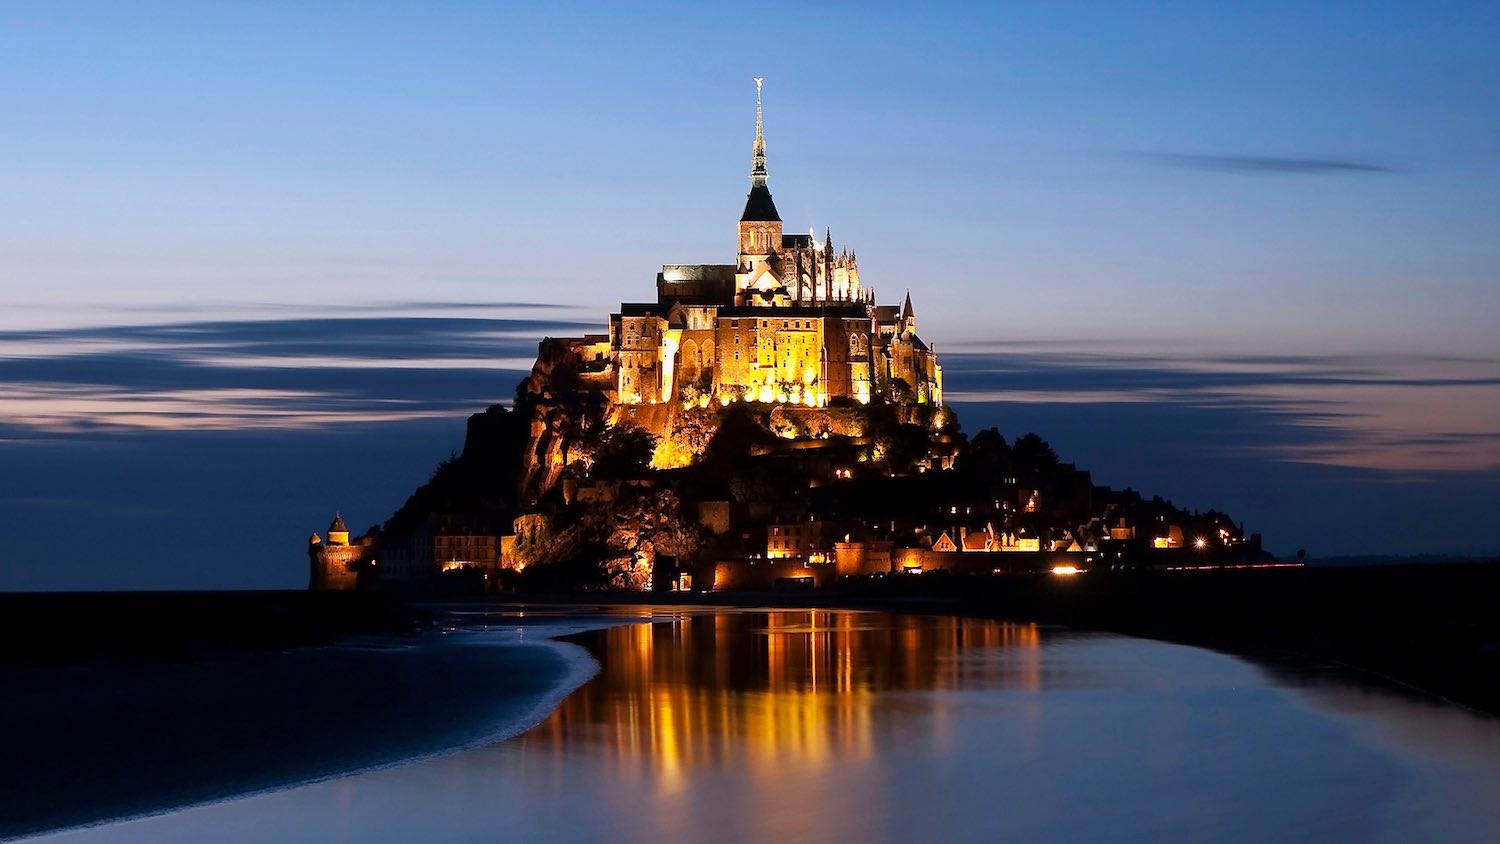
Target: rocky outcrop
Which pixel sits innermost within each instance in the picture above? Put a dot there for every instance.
(560, 414)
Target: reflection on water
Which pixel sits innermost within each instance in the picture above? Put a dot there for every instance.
(759, 692)
(845, 726)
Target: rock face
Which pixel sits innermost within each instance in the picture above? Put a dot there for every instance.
(560, 416)
(577, 491)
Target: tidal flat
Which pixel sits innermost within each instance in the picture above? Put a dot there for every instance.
(753, 724)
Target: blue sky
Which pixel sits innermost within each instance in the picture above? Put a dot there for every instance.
(1240, 254)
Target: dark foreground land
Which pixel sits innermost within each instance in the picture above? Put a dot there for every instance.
(1435, 628)
(116, 705)
(53, 627)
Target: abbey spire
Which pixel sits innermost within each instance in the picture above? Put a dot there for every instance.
(788, 322)
(758, 174)
(758, 205)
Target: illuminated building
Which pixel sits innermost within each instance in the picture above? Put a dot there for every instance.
(337, 563)
(789, 322)
(441, 544)
(807, 540)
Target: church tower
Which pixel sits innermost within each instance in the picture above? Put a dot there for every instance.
(760, 225)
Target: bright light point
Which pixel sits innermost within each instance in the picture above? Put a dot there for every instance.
(1200, 542)
(1065, 570)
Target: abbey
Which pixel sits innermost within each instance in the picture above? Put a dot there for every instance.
(788, 322)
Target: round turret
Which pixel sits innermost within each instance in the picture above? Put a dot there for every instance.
(338, 532)
(315, 540)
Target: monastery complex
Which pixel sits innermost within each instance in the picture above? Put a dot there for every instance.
(787, 322)
(759, 424)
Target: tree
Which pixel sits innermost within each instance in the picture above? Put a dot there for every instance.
(1032, 455)
(901, 392)
(623, 451)
(990, 451)
(739, 430)
(687, 439)
(693, 393)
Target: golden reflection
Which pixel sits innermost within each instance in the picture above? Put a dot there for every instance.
(766, 692)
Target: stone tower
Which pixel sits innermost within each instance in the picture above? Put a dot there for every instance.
(335, 564)
(760, 225)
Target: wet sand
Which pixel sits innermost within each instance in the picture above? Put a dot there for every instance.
(96, 740)
(833, 726)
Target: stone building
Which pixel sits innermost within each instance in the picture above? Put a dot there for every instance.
(788, 322)
(338, 563)
(805, 540)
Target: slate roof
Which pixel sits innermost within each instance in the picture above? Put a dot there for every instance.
(759, 208)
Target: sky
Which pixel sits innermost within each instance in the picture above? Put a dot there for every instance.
(258, 261)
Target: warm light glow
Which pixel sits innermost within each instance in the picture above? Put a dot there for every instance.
(1200, 543)
(669, 343)
(1064, 569)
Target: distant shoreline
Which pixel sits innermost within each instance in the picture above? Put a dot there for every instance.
(1428, 628)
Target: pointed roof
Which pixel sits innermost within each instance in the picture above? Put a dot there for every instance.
(945, 543)
(338, 524)
(759, 208)
(906, 308)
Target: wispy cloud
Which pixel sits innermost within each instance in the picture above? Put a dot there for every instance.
(75, 408)
(1265, 163)
(296, 372)
(1390, 413)
(1402, 414)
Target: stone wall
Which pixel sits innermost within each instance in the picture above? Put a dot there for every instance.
(760, 575)
(335, 567)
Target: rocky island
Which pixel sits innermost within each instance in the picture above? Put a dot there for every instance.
(759, 424)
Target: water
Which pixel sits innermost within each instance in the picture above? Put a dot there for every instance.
(853, 726)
